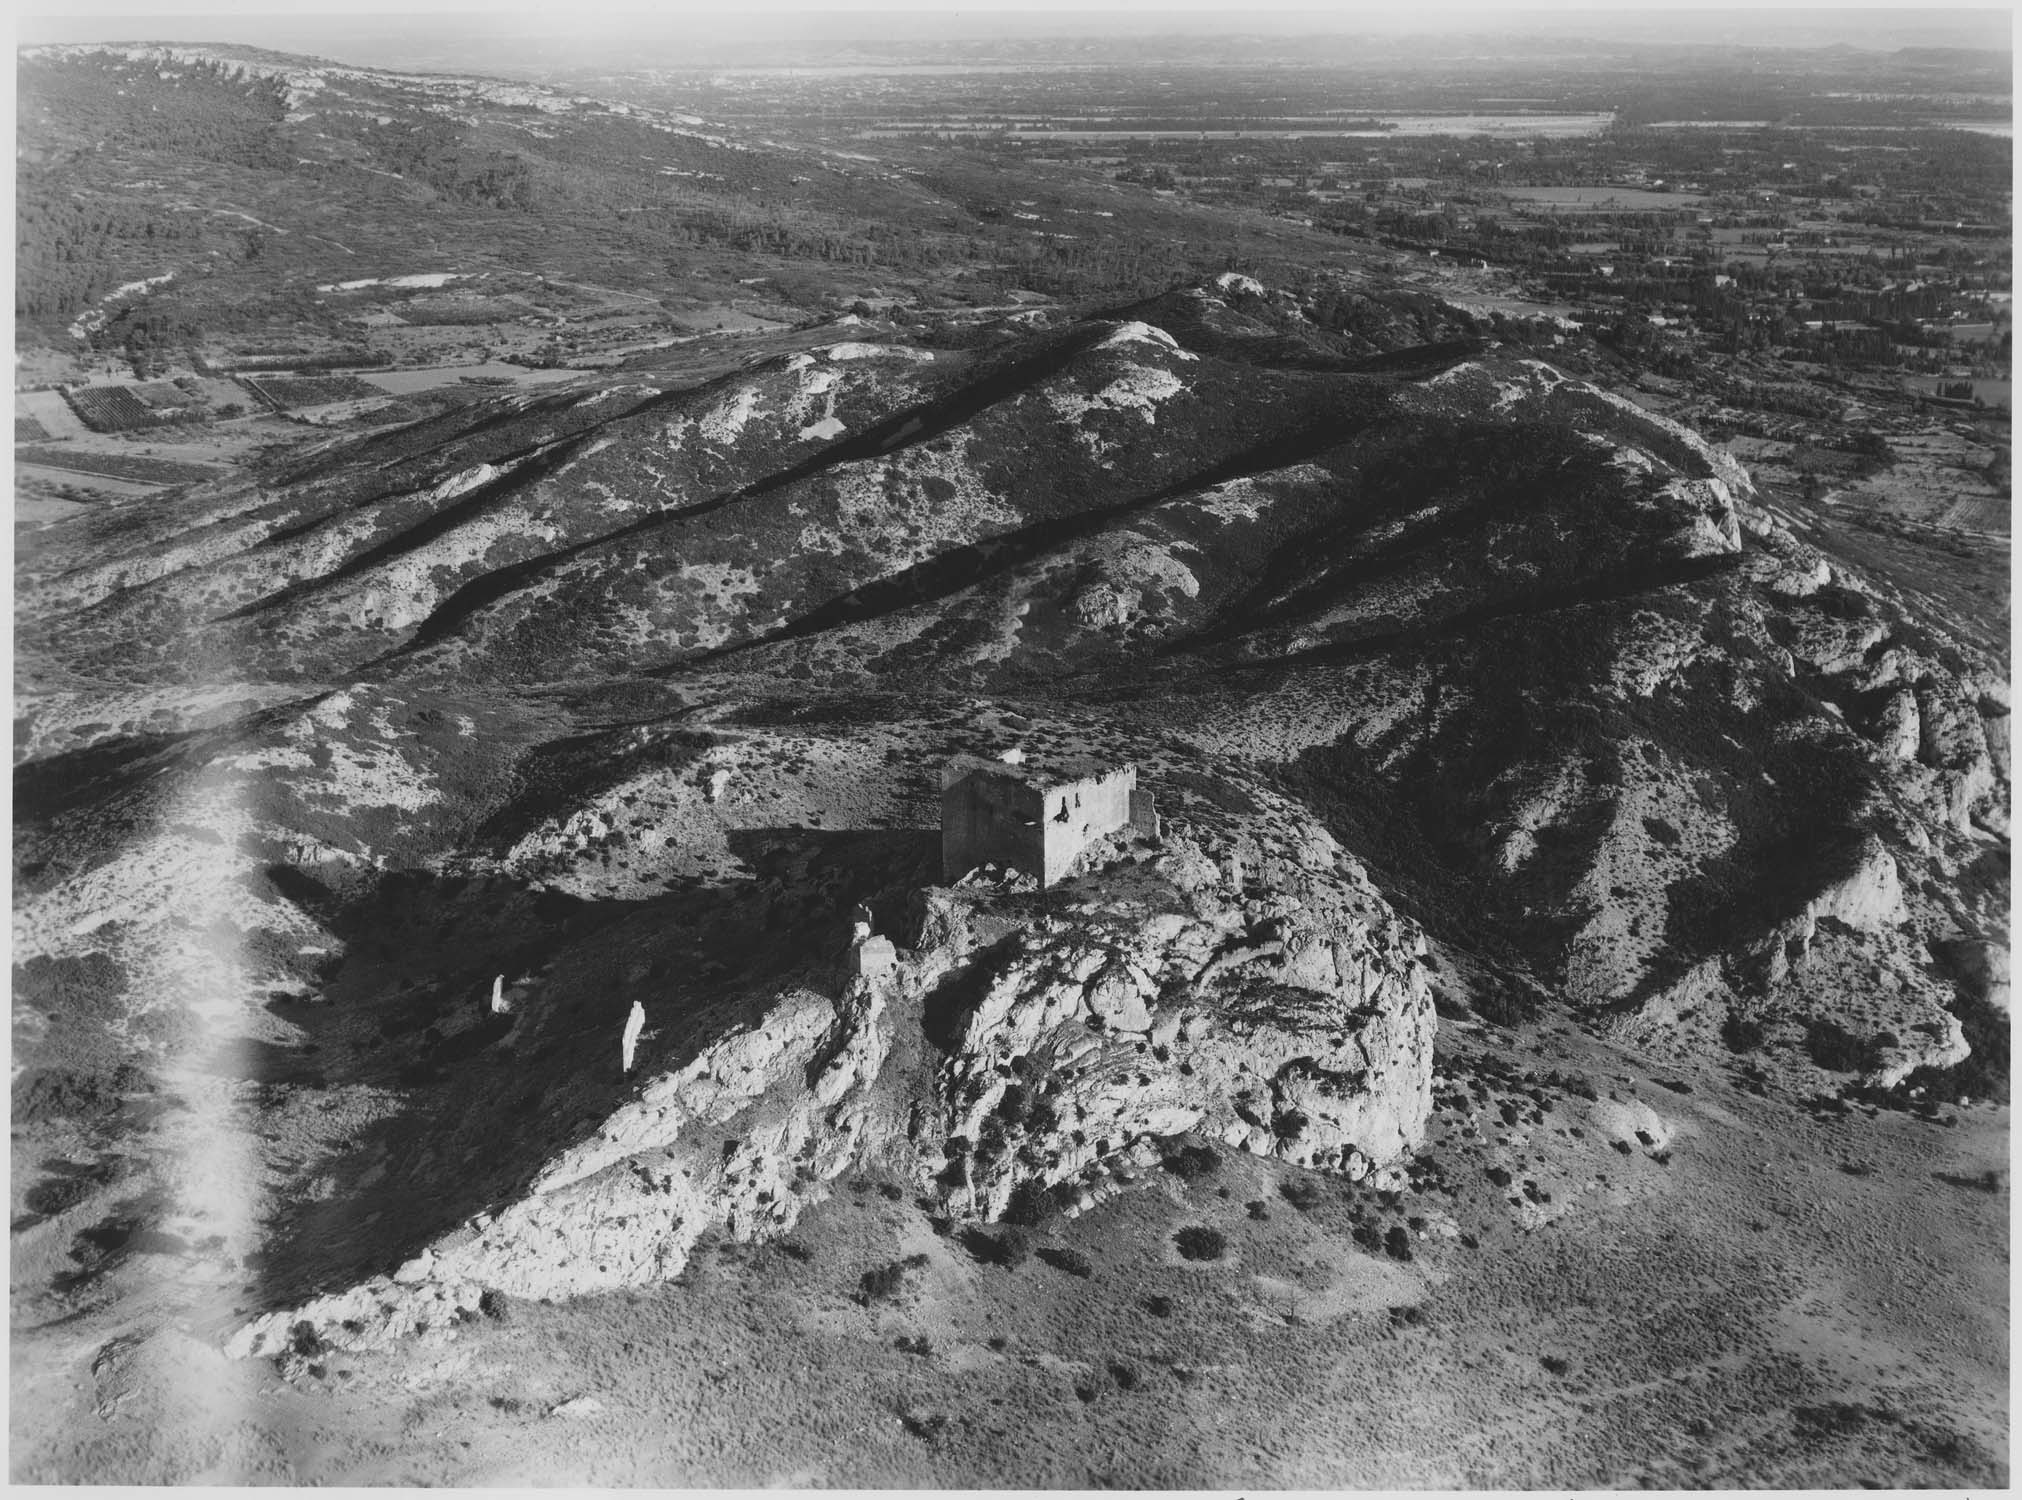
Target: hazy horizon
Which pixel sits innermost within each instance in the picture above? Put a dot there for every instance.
(610, 38)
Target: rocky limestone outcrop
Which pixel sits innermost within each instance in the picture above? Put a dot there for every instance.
(1868, 897)
(1858, 647)
(1899, 727)
(1704, 522)
(1259, 992)
(1103, 604)
(1177, 1005)
(740, 1137)
(1942, 1044)
(1953, 741)
(1980, 967)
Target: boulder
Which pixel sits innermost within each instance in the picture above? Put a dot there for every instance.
(1103, 605)
(1899, 726)
(1938, 1045)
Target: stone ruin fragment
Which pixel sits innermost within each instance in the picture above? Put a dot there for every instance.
(1037, 821)
(635, 1023)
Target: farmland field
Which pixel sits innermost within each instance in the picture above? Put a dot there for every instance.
(1516, 126)
(405, 382)
(50, 411)
(133, 468)
(162, 395)
(111, 408)
(1990, 392)
(1614, 198)
(1979, 515)
(293, 392)
(35, 482)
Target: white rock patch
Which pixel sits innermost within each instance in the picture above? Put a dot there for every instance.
(723, 422)
(1135, 332)
(853, 350)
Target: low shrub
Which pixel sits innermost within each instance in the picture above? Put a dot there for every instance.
(1742, 1033)
(1031, 1203)
(1301, 1192)
(882, 1283)
(928, 1425)
(1192, 1161)
(1063, 1258)
(1009, 1250)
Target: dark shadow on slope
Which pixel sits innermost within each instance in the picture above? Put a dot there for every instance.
(565, 773)
(418, 441)
(1623, 584)
(1393, 476)
(437, 523)
(1420, 361)
(483, 1103)
(1479, 477)
(945, 1010)
(73, 808)
(963, 567)
(52, 785)
(1509, 704)
(431, 454)
(907, 429)
(1732, 902)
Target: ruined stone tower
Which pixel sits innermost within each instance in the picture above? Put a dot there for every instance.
(1036, 820)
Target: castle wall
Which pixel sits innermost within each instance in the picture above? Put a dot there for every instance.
(1007, 820)
(991, 820)
(1082, 811)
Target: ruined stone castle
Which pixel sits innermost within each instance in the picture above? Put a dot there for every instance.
(1035, 821)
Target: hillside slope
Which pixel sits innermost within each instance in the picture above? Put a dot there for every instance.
(1459, 682)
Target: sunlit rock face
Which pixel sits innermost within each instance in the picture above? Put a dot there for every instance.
(1291, 1026)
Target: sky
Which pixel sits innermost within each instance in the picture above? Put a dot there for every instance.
(361, 34)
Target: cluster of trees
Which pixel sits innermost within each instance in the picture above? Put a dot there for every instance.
(148, 334)
(1095, 263)
(73, 245)
(206, 111)
(438, 153)
(1756, 395)
(1120, 264)
(70, 251)
(1391, 320)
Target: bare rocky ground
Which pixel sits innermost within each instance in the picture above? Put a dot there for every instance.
(1559, 1038)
